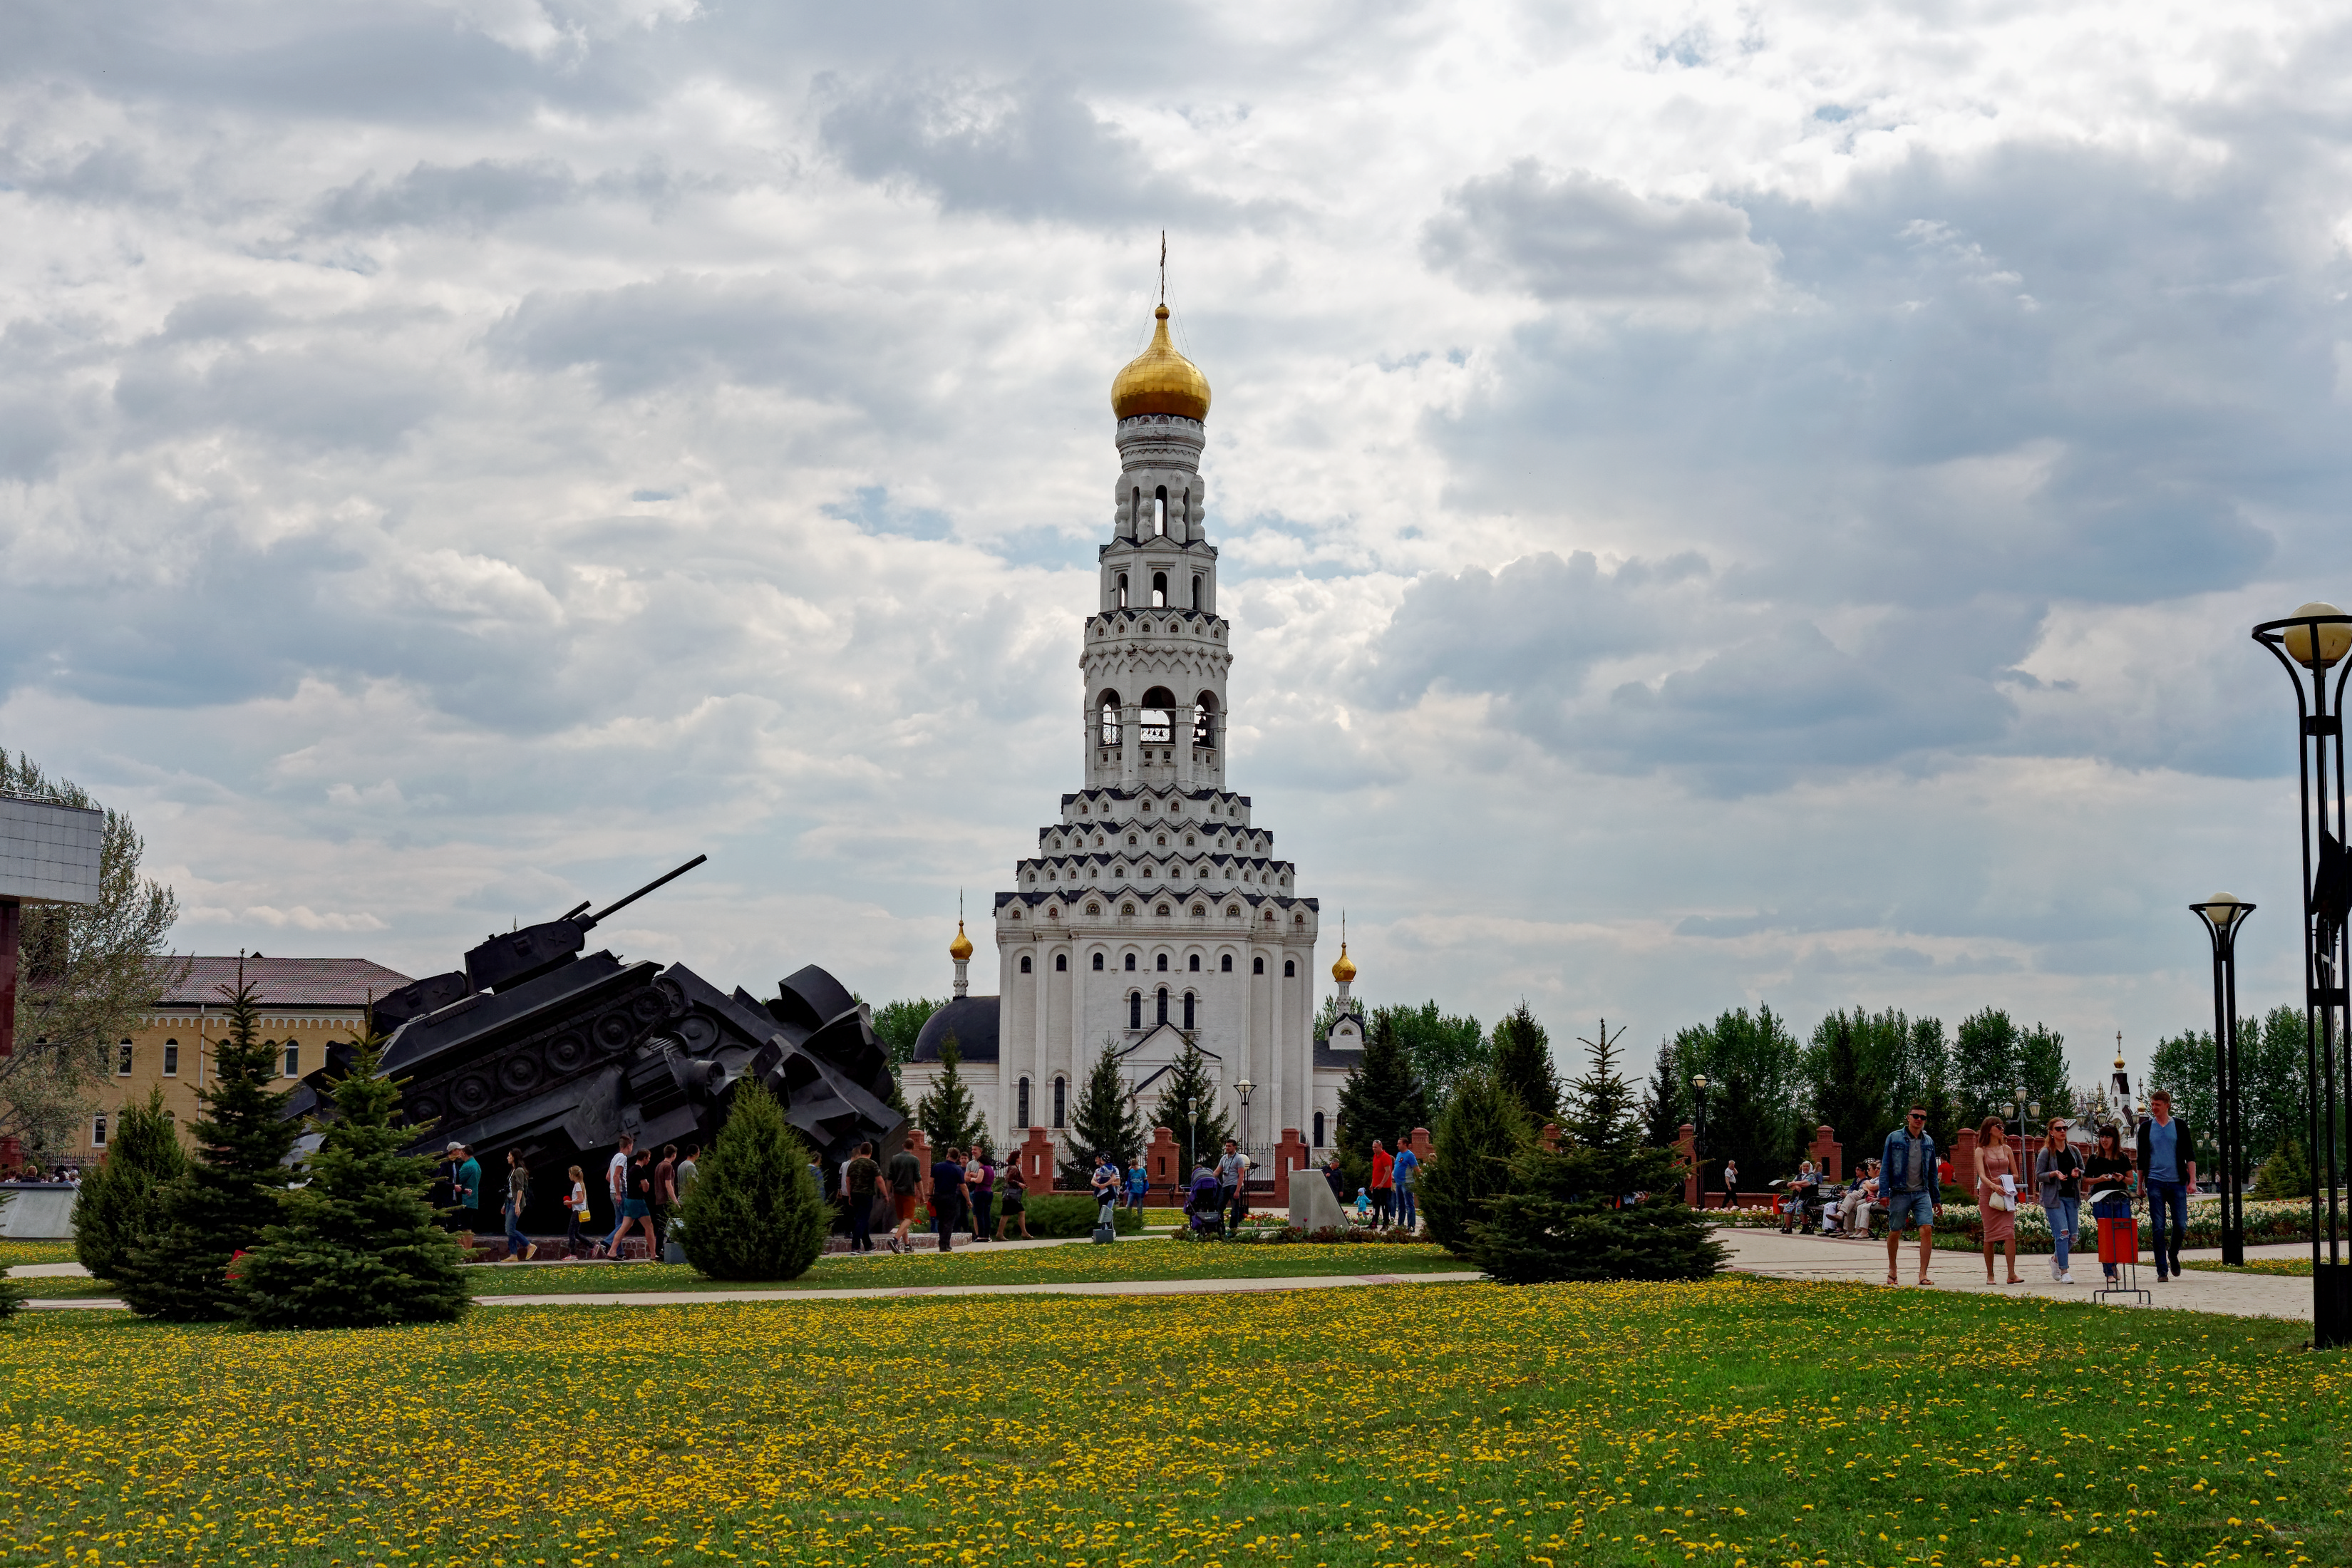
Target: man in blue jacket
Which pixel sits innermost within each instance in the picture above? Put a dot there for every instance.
(1906, 1184)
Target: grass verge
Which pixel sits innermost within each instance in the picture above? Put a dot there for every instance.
(2284, 1268)
(1738, 1420)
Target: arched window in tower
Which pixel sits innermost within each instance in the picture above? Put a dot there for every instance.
(1061, 963)
(1163, 1006)
(1160, 512)
(1108, 705)
(1159, 590)
(1318, 1130)
(1196, 589)
(1225, 965)
(1204, 719)
(1025, 964)
(1290, 969)
(1130, 963)
(1061, 1096)
(1122, 590)
(1158, 717)
(1135, 1009)
(1098, 963)
(1257, 966)
(1162, 965)
(1135, 511)
(1187, 1009)
(1193, 964)
(1022, 1118)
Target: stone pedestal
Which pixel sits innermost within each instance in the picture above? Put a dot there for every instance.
(1312, 1207)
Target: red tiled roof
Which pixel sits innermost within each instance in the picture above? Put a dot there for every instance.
(284, 982)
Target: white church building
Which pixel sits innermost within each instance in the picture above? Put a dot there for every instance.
(1155, 908)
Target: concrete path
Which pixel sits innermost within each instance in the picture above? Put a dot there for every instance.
(1830, 1257)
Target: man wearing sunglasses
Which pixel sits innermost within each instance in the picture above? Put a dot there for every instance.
(1906, 1184)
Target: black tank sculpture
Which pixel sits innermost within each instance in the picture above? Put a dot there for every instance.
(537, 1046)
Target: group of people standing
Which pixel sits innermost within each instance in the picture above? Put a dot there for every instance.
(642, 1188)
(970, 1191)
(1390, 1196)
(1908, 1181)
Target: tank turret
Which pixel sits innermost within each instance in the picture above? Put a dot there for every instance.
(503, 962)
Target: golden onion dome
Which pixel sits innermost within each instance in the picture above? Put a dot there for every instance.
(1161, 381)
(1344, 971)
(960, 949)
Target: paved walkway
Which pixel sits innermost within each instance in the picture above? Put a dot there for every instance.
(1829, 1257)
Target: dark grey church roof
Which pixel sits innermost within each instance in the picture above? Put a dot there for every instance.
(1325, 1057)
(974, 1021)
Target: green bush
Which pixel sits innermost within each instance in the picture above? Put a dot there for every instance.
(1483, 1129)
(1073, 1213)
(753, 1212)
(116, 1205)
(2286, 1174)
(1563, 1219)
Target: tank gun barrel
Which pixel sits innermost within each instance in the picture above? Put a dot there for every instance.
(658, 881)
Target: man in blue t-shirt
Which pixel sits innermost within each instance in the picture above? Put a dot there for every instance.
(1401, 1175)
(465, 1187)
(947, 1195)
(2167, 1163)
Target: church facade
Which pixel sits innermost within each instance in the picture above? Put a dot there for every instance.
(1155, 909)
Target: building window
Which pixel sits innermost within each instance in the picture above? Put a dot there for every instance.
(1061, 1092)
(122, 1060)
(1290, 969)
(1025, 964)
(1163, 964)
(1098, 963)
(1225, 963)
(1061, 962)
(97, 1131)
(171, 1059)
(1257, 966)
(1134, 1013)
(1159, 590)
(1187, 1009)
(1024, 1116)
(1163, 1006)
(293, 1059)
(1318, 1130)
(1193, 963)
(1159, 511)
(1130, 963)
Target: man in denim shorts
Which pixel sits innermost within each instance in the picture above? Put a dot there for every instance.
(1906, 1184)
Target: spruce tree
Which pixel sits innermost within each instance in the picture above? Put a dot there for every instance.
(1381, 1099)
(1189, 1109)
(1103, 1122)
(1600, 1106)
(360, 1244)
(116, 1209)
(1566, 1217)
(1482, 1129)
(220, 1206)
(947, 1115)
(1523, 1063)
(2286, 1174)
(753, 1212)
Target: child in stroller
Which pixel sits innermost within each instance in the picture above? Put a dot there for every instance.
(1203, 1207)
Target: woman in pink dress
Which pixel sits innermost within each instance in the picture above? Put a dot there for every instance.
(1995, 1161)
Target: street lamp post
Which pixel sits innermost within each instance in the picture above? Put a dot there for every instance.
(2223, 913)
(1698, 1137)
(2310, 643)
(1242, 1089)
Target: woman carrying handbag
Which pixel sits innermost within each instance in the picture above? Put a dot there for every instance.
(1996, 1194)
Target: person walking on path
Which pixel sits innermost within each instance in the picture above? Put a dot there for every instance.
(689, 1167)
(859, 1178)
(616, 1187)
(982, 1184)
(2107, 1176)
(1731, 1183)
(2057, 1174)
(1402, 1175)
(2168, 1153)
(946, 1196)
(1383, 1182)
(905, 1175)
(1105, 1182)
(1907, 1185)
(1997, 1195)
(665, 1194)
(465, 1186)
(1232, 1170)
(520, 1249)
(1014, 1204)
(575, 1235)
(1139, 1187)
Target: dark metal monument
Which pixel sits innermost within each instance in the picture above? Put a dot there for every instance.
(538, 1046)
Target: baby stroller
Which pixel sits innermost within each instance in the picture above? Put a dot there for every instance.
(1203, 1204)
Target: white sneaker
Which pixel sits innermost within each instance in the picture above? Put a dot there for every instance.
(2053, 1266)
(2066, 1279)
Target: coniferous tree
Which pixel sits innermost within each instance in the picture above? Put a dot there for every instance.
(1601, 1114)
(1381, 1099)
(360, 1244)
(1189, 1109)
(1104, 1121)
(947, 1115)
(1523, 1064)
(1849, 1094)
(1482, 1129)
(1666, 1100)
(753, 1212)
(115, 1212)
(229, 1192)
(2286, 1174)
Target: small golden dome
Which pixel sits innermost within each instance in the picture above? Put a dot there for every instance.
(960, 949)
(1344, 971)
(1161, 381)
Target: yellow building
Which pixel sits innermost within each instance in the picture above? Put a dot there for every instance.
(306, 1003)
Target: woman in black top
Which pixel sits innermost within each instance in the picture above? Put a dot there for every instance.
(2107, 1179)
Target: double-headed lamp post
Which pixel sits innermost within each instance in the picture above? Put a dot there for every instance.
(2223, 913)
(2309, 644)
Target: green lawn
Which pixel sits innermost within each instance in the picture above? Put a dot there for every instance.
(2288, 1268)
(1738, 1421)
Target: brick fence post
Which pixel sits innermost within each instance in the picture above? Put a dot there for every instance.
(1036, 1158)
(1289, 1155)
(1551, 1138)
(1159, 1160)
(1687, 1147)
(1828, 1153)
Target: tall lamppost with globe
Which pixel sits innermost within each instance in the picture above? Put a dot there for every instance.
(2222, 914)
(1698, 1137)
(1245, 1088)
(2308, 644)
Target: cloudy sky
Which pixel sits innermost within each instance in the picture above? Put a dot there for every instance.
(1718, 503)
